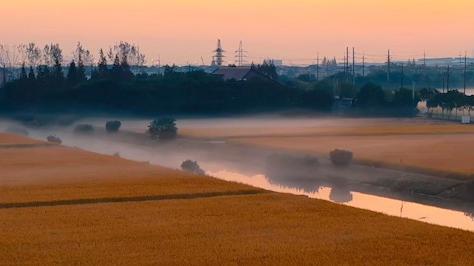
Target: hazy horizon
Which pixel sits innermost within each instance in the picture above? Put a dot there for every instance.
(183, 31)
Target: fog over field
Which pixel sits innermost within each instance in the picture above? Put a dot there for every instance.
(214, 144)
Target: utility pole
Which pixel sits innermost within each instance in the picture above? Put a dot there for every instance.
(159, 64)
(444, 81)
(388, 66)
(447, 79)
(465, 71)
(353, 67)
(347, 61)
(363, 65)
(317, 67)
(402, 77)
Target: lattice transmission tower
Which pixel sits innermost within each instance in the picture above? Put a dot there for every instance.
(240, 55)
(218, 58)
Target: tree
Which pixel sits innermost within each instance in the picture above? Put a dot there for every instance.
(192, 167)
(268, 70)
(80, 55)
(72, 76)
(23, 74)
(113, 126)
(321, 97)
(164, 128)
(56, 57)
(33, 54)
(370, 96)
(8, 61)
(347, 90)
(125, 72)
(31, 74)
(116, 68)
(102, 65)
(404, 98)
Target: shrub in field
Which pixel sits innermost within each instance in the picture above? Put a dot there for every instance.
(164, 128)
(84, 129)
(341, 157)
(192, 167)
(54, 139)
(113, 126)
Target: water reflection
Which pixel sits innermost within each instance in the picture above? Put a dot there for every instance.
(341, 194)
(470, 215)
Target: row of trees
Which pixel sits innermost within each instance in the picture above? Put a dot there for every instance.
(170, 92)
(449, 101)
(34, 59)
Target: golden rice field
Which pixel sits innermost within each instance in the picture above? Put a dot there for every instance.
(218, 223)
(444, 148)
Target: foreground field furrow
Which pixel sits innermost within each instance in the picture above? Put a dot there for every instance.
(36, 204)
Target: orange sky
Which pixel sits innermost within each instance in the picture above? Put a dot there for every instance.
(182, 31)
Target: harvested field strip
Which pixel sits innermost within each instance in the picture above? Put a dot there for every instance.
(36, 204)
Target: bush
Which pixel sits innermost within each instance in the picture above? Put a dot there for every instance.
(341, 157)
(54, 139)
(84, 129)
(113, 126)
(192, 167)
(164, 128)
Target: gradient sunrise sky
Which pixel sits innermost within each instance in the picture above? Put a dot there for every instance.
(182, 31)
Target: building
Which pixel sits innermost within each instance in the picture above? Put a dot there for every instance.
(239, 73)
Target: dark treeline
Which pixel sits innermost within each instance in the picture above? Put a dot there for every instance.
(111, 86)
(116, 88)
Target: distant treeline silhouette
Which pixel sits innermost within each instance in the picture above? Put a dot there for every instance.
(111, 86)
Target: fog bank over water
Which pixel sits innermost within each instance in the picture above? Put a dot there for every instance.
(251, 165)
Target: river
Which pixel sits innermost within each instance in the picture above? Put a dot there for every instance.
(247, 165)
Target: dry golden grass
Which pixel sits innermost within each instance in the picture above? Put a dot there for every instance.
(6, 139)
(444, 148)
(57, 173)
(266, 228)
(260, 229)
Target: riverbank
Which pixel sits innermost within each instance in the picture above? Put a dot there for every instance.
(124, 212)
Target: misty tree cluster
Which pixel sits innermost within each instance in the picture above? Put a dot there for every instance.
(163, 128)
(448, 101)
(113, 126)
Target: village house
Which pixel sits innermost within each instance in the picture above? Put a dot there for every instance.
(239, 73)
